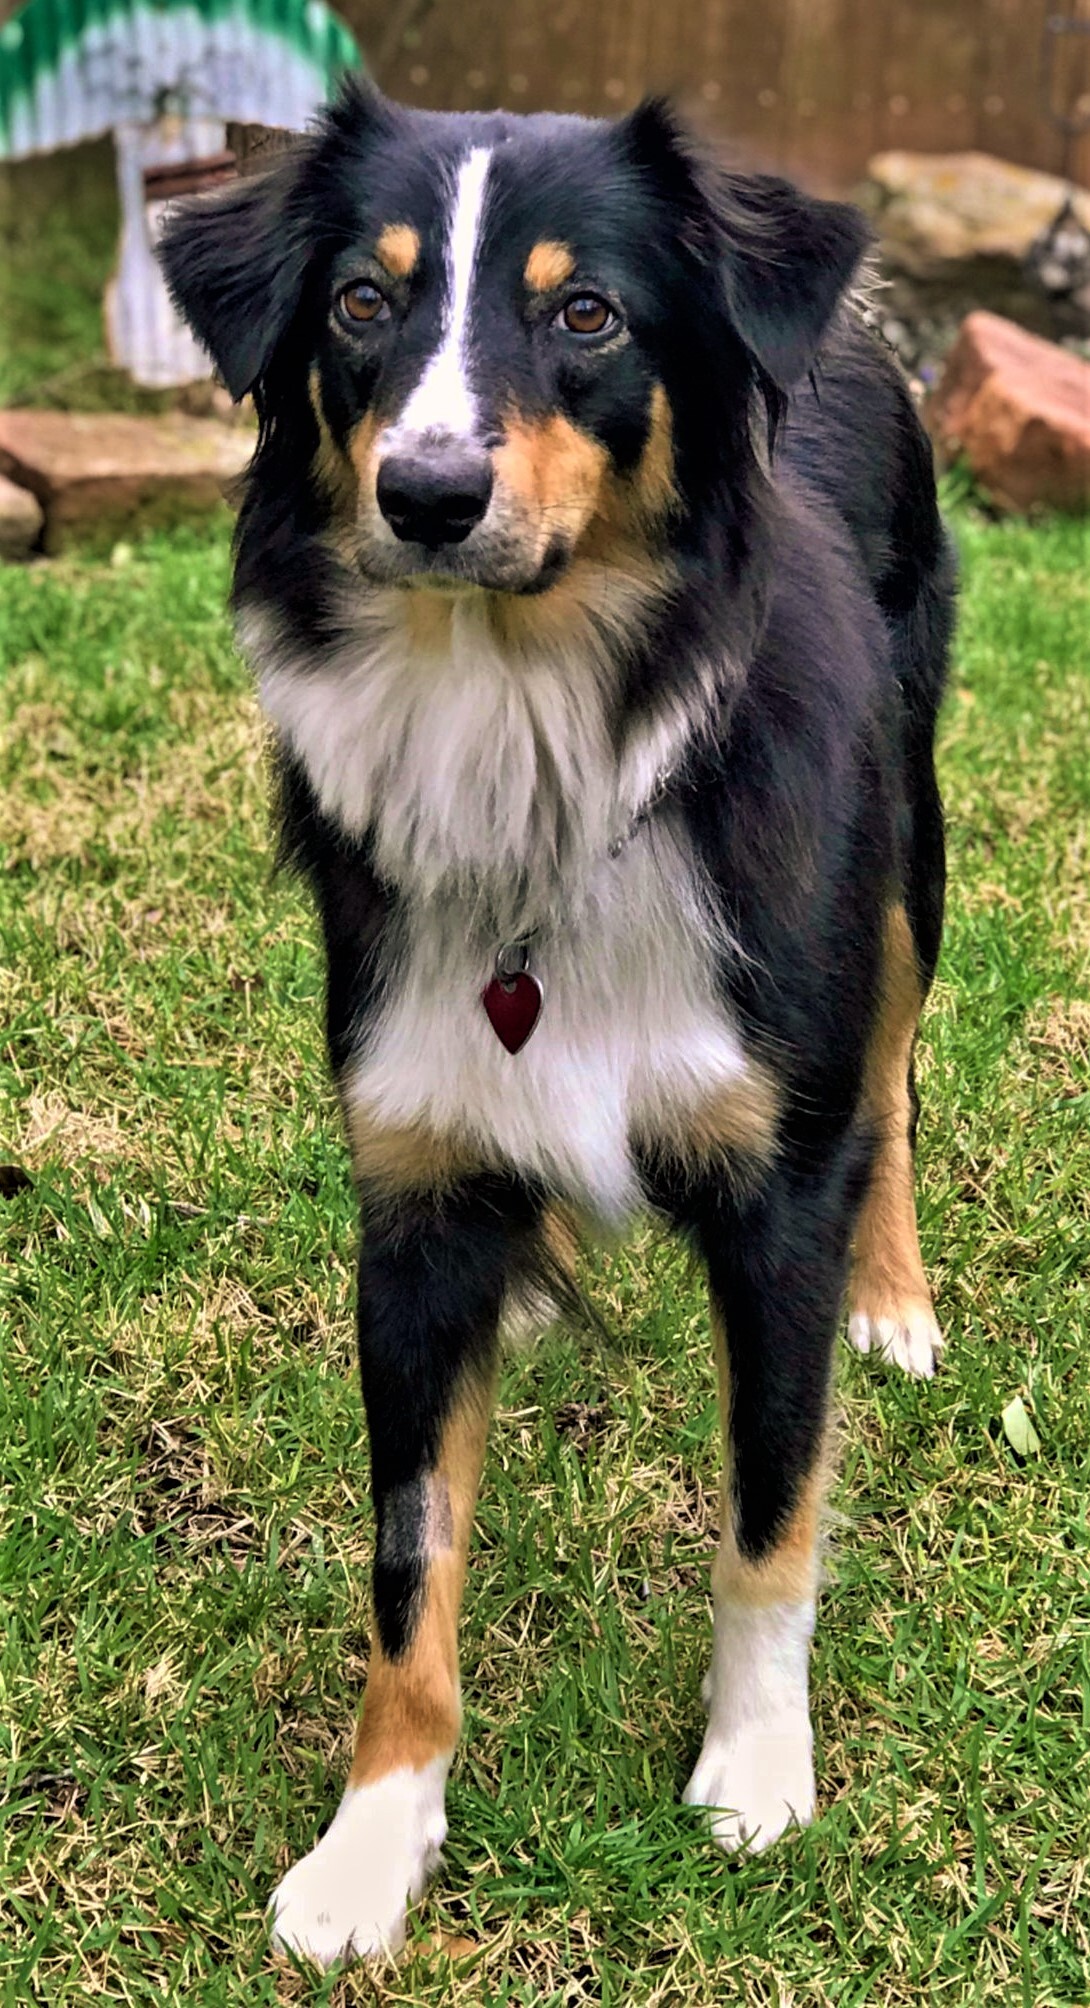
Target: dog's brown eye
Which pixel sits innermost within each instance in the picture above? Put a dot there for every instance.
(586, 314)
(363, 302)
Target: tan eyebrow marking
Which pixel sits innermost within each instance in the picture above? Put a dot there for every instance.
(398, 249)
(548, 265)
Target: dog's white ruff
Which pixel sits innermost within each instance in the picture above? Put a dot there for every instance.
(476, 766)
(486, 778)
(349, 1897)
(755, 1772)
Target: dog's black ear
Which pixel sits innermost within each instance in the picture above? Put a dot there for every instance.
(235, 263)
(789, 259)
(785, 258)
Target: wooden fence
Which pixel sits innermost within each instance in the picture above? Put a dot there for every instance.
(811, 86)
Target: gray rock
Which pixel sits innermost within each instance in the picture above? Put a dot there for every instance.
(101, 477)
(957, 232)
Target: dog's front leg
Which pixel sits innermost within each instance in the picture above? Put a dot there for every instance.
(433, 1276)
(776, 1273)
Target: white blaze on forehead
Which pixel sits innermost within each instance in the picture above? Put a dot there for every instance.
(442, 400)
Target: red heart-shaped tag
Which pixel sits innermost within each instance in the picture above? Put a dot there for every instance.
(513, 1008)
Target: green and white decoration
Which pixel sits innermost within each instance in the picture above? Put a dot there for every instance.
(164, 78)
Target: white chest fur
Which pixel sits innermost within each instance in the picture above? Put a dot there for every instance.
(490, 786)
(477, 765)
(630, 1038)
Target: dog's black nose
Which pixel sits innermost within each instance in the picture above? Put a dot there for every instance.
(435, 497)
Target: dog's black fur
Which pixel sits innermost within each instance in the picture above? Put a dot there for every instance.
(806, 561)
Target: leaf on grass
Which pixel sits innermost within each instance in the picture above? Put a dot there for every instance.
(451, 1945)
(99, 1221)
(1019, 1430)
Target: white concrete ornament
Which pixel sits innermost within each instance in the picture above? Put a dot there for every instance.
(164, 76)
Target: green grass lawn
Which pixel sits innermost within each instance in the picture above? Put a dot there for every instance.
(186, 1530)
(58, 245)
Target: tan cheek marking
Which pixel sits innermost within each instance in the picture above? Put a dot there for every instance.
(636, 505)
(561, 482)
(333, 470)
(362, 444)
(887, 1269)
(555, 472)
(787, 1573)
(398, 249)
(412, 1706)
(548, 266)
(411, 1158)
(654, 478)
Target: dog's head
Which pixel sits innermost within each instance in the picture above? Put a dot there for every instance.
(496, 342)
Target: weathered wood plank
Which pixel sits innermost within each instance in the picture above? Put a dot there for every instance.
(811, 86)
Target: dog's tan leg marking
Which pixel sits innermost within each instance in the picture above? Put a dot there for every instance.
(755, 1771)
(889, 1300)
(350, 1895)
(526, 1316)
(736, 1126)
(394, 1159)
(412, 1707)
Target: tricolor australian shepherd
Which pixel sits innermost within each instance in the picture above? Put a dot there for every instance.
(591, 571)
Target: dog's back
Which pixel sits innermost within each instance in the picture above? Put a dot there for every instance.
(854, 434)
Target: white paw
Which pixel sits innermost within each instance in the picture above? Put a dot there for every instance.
(756, 1781)
(912, 1339)
(349, 1897)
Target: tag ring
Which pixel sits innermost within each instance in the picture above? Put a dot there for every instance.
(512, 960)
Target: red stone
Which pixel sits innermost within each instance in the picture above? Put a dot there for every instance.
(107, 475)
(1016, 409)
